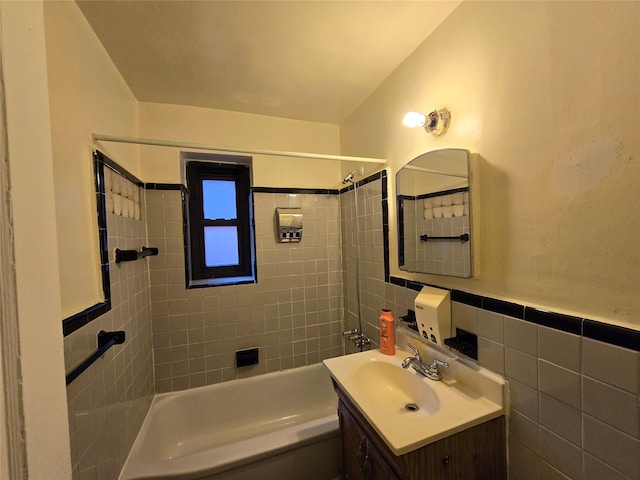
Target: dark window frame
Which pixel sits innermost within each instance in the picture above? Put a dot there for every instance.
(198, 273)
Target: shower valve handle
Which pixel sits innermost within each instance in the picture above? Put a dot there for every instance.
(353, 332)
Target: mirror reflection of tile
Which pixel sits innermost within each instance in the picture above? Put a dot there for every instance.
(438, 216)
(434, 214)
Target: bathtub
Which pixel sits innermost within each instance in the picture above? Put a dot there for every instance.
(280, 425)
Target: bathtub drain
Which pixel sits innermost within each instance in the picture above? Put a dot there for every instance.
(411, 407)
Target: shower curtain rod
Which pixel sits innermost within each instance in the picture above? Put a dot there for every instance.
(196, 146)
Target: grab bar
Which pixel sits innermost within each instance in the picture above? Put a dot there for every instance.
(106, 340)
(463, 238)
(130, 255)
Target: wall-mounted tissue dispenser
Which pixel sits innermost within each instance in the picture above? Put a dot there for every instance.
(288, 223)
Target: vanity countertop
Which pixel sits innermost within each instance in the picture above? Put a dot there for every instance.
(387, 395)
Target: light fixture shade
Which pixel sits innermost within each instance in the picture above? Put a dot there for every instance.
(439, 123)
(436, 123)
(414, 119)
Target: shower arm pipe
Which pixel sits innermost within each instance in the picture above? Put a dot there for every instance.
(98, 137)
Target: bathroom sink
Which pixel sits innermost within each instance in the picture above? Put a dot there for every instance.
(409, 411)
(389, 385)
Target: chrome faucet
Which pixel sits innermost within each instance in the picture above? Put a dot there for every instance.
(430, 371)
(417, 358)
(358, 338)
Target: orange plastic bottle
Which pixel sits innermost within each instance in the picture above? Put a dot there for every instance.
(387, 333)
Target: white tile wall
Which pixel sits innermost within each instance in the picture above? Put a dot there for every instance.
(108, 402)
(575, 403)
(293, 314)
(370, 251)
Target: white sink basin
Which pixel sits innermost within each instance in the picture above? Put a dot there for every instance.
(410, 411)
(390, 386)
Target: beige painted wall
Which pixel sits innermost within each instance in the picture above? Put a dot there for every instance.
(233, 129)
(34, 227)
(87, 94)
(546, 94)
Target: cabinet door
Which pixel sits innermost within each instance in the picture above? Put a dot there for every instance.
(360, 458)
(354, 444)
(379, 469)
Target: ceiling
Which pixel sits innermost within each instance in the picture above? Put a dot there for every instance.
(305, 60)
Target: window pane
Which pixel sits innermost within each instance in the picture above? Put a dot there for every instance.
(219, 199)
(221, 246)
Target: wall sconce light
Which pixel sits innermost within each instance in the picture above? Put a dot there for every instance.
(436, 122)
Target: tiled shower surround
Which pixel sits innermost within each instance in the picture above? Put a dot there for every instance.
(363, 253)
(108, 402)
(293, 314)
(574, 400)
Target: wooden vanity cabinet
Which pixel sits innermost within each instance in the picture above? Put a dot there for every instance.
(362, 458)
(478, 453)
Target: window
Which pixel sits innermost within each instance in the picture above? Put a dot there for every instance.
(220, 224)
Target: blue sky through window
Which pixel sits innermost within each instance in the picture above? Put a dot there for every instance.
(221, 246)
(219, 199)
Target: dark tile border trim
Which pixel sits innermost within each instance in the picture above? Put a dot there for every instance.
(443, 192)
(118, 169)
(382, 175)
(504, 308)
(362, 182)
(410, 284)
(286, 190)
(385, 225)
(557, 321)
(466, 298)
(163, 186)
(79, 320)
(295, 191)
(292, 191)
(603, 332)
(613, 334)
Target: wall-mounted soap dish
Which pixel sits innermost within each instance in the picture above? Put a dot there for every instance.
(464, 342)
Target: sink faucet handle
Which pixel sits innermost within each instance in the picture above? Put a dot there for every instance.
(416, 352)
(432, 371)
(437, 362)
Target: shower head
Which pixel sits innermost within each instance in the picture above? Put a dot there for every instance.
(349, 177)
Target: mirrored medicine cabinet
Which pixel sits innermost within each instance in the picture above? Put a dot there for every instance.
(434, 214)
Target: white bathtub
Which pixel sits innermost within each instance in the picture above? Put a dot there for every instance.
(280, 426)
